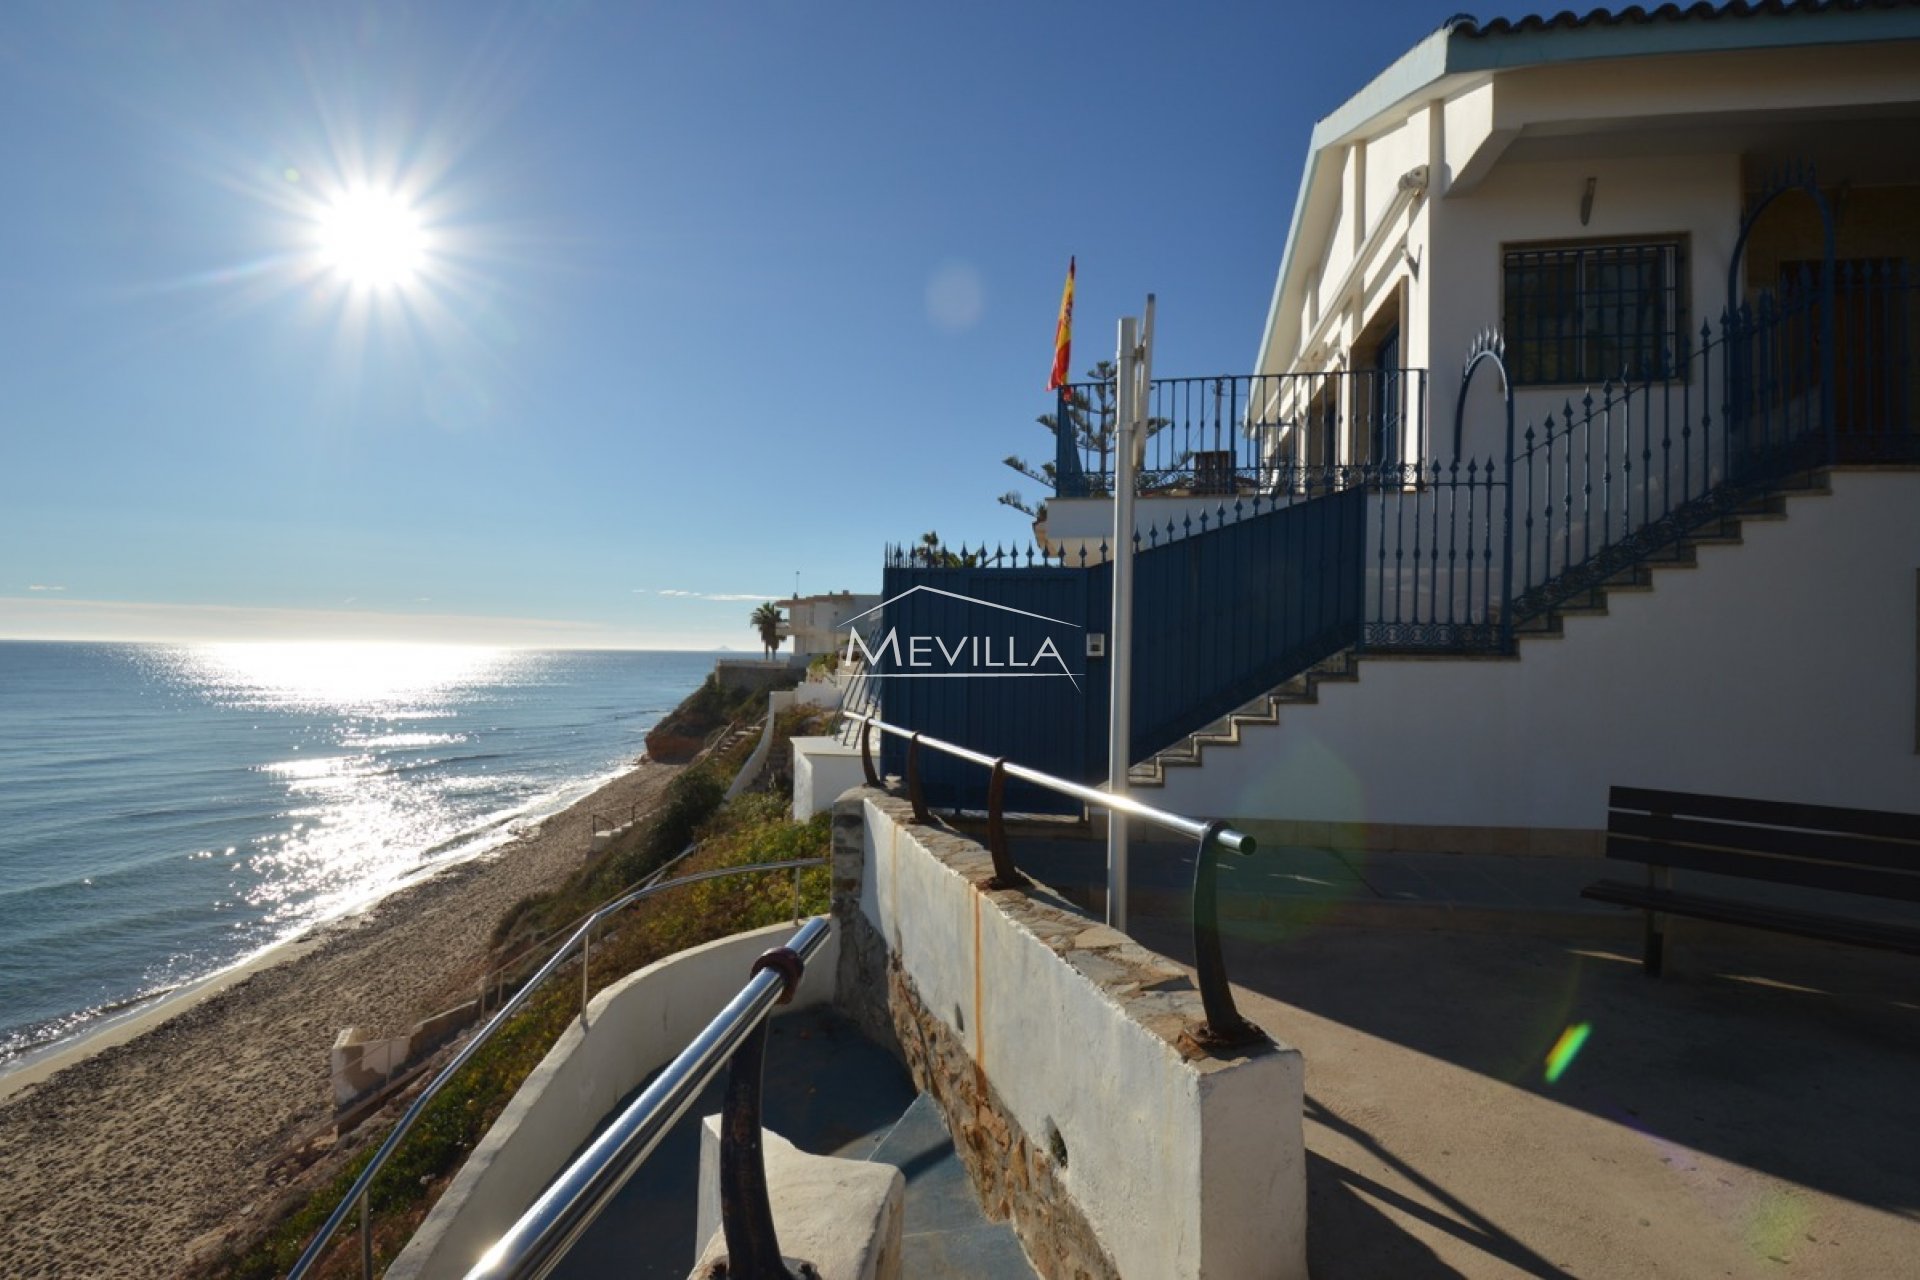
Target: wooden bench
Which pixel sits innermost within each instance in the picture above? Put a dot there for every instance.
(1860, 851)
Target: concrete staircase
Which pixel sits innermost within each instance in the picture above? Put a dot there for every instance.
(832, 1091)
(1344, 667)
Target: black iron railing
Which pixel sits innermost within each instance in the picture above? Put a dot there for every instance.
(1224, 1027)
(1452, 555)
(736, 1036)
(1241, 434)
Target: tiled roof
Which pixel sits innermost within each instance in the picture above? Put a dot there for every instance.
(1641, 15)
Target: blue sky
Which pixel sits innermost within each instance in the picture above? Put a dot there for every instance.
(710, 293)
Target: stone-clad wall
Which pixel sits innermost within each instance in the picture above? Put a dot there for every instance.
(1054, 1047)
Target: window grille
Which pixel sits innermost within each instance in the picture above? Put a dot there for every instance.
(1584, 313)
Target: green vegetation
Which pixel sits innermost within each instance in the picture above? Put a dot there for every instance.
(766, 620)
(752, 828)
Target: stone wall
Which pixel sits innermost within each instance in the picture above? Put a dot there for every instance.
(1056, 1049)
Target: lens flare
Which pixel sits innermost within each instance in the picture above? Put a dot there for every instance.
(1566, 1049)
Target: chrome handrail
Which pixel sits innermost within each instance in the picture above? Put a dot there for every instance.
(1224, 1027)
(357, 1193)
(554, 1222)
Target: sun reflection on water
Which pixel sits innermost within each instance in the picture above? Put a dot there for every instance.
(348, 677)
(365, 800)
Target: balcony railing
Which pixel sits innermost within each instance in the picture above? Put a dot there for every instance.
(1242, 434)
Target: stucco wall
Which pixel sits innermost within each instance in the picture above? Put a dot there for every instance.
(1784, 667)
(633, 1027)
(1697, 197)
(823, 768)
(1055, 1046)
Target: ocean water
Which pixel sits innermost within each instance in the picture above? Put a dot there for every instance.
(167, 810)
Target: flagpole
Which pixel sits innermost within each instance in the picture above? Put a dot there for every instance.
(1120, 642)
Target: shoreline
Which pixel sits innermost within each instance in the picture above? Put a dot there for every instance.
(141, 1014)
(161, 1134)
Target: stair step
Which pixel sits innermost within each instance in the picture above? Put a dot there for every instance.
(1343, 667)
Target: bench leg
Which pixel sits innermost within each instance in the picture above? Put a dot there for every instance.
(1655, 955)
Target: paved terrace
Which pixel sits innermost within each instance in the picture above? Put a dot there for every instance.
(1752, 1114)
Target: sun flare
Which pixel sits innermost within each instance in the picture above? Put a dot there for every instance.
(372, 239)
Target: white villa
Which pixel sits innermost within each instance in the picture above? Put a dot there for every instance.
(1580, 184)
(1687, 236)
(818, 624)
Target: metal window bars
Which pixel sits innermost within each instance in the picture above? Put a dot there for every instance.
(580, 938)
(1224, 1027)
(737, 1035)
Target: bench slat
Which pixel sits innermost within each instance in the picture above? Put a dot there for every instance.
(1865, 933)
(1772, 841)
(1816, 817)
(1808, 875)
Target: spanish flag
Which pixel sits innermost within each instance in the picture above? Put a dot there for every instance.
(1063, 335)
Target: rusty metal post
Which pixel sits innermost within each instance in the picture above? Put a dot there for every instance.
(866, 753)
(1224, 1027)
(1005, 876)
(746, 1217)
(366, 1234)
(914, 794)
(586, 942)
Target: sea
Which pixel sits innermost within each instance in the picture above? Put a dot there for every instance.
(168, 811)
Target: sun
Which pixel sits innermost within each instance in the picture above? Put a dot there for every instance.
(372, 239)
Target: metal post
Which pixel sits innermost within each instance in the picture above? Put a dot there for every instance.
(1225, 1027)
(1120, 641)
(866, 753)
(1005, 876)
(586, 942)
(366, 1234)
(746, 1217)
(914, 795)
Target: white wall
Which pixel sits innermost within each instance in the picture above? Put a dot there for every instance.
(824, 769)
(1183, 1168)
(1782, 668)
(633, 1027)
(1077, 523)
(1654, 196)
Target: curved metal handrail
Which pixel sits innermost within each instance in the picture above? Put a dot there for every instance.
(1224, 1026)
(552, 1224)
(358, 1191)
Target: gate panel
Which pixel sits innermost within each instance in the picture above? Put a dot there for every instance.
(955, 660)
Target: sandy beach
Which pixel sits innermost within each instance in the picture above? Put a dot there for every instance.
(141, 1148)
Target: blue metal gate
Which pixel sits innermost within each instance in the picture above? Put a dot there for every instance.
(1226, 607)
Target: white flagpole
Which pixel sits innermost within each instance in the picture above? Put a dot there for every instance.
(1133, 384)
(1120, 641)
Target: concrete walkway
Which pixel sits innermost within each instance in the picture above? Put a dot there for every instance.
(1481, 890)
(1494, 1089)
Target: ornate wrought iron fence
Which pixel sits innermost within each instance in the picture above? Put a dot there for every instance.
(1457, 552)
(1621, 472)
(1242, 435)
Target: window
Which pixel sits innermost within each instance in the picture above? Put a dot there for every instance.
(1584, 313)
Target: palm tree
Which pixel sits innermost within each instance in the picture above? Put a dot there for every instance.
(766, 619)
